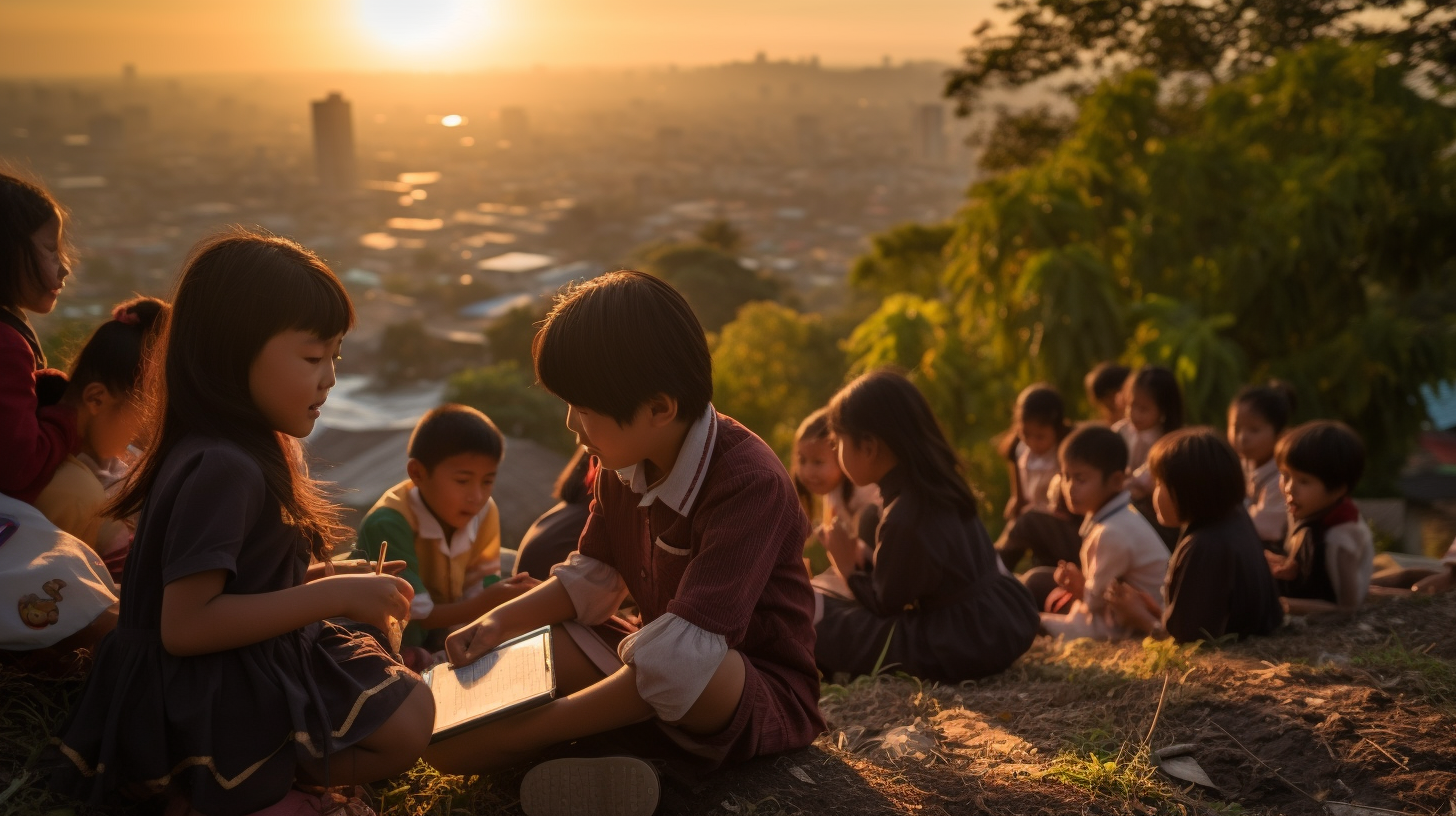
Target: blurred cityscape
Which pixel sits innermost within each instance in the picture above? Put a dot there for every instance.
(451, 199)
(451, 204)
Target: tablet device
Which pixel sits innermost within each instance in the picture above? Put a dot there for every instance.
(515, 676)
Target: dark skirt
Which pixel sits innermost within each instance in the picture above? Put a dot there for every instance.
(978, 638)
(1047, 537)
(228, 730)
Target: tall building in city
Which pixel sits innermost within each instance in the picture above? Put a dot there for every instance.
(929, 129)
(515, 127)
(333, 143)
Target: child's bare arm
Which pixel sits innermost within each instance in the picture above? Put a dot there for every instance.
(545, 604)
(468, 609)
(199, 618)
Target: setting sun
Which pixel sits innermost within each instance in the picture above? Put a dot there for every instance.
(421, 27)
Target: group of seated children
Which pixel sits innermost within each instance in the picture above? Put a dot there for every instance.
(67, 440)
(248, 671)
(1262, 525)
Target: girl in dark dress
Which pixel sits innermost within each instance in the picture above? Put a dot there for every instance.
(223, 685)
(932, 590)
(1218, 578)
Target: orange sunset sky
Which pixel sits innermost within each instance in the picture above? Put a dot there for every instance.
(81, 37)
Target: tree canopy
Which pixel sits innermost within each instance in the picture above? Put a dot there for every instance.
(1291, 223)
(712, 281)
(1218, 39)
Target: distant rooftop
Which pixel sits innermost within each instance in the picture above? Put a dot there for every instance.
(516, 263)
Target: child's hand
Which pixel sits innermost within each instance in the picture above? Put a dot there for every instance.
(1069, 577)
(1442, 581)
(1132, 608)
(372, 599)
(1281, 567)
(843, 549)
(469, 643)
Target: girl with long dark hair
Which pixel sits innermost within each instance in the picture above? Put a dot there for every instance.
(932, 599)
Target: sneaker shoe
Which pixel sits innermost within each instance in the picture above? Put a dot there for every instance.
(607, 786)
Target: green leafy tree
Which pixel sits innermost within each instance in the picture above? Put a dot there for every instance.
(908, 258)
(1218, 39)
(520, 407)
(1210, 40)
(772, 367)
(1293, 222)
(512, 334)
(712, 281)
(721, 233)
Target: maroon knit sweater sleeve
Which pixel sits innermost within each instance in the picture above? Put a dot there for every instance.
(33, 443)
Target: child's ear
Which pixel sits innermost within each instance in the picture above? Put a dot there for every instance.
(417, 471)
(95, 397)
(661, 410)
(1115, 481)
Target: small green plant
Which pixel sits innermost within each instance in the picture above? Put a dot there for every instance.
(1159, 656)
(1126, 774)
(1434, 675)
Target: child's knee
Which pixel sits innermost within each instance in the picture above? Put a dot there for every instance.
(406, 734)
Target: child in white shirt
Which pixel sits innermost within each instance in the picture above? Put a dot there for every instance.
(1257, 418)
(1118, 544)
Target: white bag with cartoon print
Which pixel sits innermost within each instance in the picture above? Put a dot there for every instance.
(51, 584)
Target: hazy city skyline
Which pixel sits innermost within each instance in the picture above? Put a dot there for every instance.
(91, 37)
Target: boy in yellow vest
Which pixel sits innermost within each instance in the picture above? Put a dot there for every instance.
(444, 525)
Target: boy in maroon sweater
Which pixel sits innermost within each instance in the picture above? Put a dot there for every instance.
(699, 523)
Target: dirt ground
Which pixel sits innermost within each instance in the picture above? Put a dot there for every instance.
(1323, 714)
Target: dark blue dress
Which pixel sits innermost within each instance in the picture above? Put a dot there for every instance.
(226, 729)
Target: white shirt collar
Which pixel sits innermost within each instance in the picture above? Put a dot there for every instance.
(1114, 505)
(680, 489)
(429, 526)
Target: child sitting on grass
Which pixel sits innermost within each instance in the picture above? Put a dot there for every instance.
(932, 601)
(1154, 407)
(103, 389)
(1104, 386)
(1036, 521)
(850, 511)
(444, 525)
(1218, 581)
(1257, 418)
(696, 518)
(1118, 544)
(1330, 554)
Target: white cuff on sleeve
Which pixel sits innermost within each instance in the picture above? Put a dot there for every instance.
(674, 661)
(596, 590)
(421, 606)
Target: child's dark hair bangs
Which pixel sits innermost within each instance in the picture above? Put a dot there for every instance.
(885, 405)
(612, 343)
(1094, 445)
(1330, 451)
(453, 429)
(1042, 404)
(1274, 402)
(315, 302)
(1162, 385)
(1202, 471)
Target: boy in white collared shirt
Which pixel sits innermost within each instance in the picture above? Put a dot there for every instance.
(443, 523)
(1118, 544)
